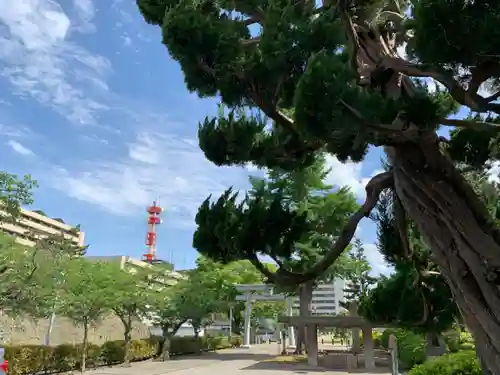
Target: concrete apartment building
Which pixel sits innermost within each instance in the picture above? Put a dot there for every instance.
(131, 265)
(326, 298)
(34, 223)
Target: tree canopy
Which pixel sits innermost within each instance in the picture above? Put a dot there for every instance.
(293, 217)
(328, 77)
(131, 293)
(239, 272)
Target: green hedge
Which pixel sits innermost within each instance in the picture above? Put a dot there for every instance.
(460, 363)
(31, 359)
(411, 346)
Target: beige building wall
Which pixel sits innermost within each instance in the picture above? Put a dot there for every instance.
(131, 265)
(29, 332)
(31, 224)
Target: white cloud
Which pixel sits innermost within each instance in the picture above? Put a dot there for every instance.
(401, 51)
(19, 148)
(85, 11)
(40, 60)
(379, 266)
(494, 172)
(156, 165)
(348, 174)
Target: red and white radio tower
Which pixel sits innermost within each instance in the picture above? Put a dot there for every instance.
(154, 212)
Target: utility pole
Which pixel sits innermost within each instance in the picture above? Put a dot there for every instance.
(230, 321)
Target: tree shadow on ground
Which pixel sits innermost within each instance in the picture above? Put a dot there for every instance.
(378, 370)
(225, 356)
(298, 368)
(304, 368)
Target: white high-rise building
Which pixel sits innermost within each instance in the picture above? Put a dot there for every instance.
(326, 298)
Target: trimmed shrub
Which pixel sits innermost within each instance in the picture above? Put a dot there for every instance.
(30, 359)
(112, 352)
(411, 346)
(186, 345)
(384, 337)
(411, 349)
(452, 340)
(457, 340)
(236, 341)
(460, 363)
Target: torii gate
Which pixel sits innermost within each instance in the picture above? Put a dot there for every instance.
(266, 294)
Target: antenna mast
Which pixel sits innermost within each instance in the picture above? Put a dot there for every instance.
(154, 211)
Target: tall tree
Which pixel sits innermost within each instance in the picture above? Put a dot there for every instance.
(26, 278)
(167, 311)
(86, 297)
(28, 274)
(360, 280)
(203, 295)
(304, 217)
(228, 275)
(14, 193)
(335, 64)
(131, 294)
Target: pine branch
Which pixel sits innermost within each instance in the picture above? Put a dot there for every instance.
(468, 124)
(251, 21)
(271, 276)
(373, 190)
(251, 41)
(470, 99)
(481, 73)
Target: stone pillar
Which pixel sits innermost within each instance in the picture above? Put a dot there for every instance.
(368, 348)
(247, 326)
(291, 329)
(355, 332)
(312, 344)
(393, 349)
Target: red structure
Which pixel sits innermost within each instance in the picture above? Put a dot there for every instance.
(154, 212)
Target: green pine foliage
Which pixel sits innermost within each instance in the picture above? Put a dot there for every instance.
(297, 79)
(294, 56)
(359, 281)
(291, 89)
(415, 295)
(293, 217)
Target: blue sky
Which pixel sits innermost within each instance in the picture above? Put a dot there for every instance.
(93, 107)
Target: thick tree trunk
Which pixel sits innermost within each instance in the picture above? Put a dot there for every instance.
(311, 332)
(305, 309)
(463, 241)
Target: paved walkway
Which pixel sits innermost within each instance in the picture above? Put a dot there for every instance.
(225, 362)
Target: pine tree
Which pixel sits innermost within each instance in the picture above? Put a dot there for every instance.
(292, 217)
(360, 280)
(302, 198)
(415, 296)
(330, 79)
